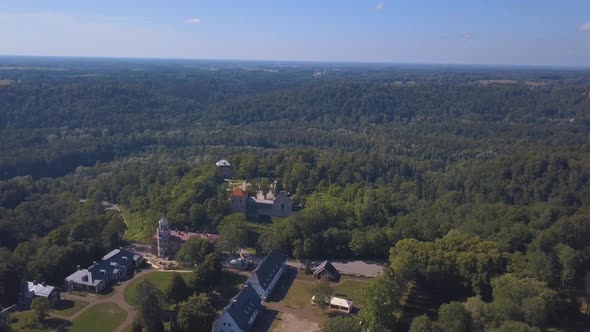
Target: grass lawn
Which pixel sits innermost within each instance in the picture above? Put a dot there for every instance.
(159, 279)
(108, 292)
(301, 291)
(68, 308)
(21, 322)
(100, 317)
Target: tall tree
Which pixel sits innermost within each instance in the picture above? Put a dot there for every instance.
(381, 301)
(323, 292)
(207, 274)
(149, 302)
(177, 290)
(421, 324)
(193, 251)
(196, 314)
(453, 317)
(233, 233)
(40, 308)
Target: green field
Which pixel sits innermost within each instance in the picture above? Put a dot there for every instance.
(67, 308)
(99, 318)
(159, 279)
(22, 323)
(301, 291)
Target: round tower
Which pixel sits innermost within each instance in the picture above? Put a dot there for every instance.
(163, 233)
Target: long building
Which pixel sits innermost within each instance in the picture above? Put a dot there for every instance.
(241, 312)
(166, 242)
(114, 266)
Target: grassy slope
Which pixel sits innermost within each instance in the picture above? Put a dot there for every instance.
(140, 226)
(68, 308)
(159, 279)
(99, 318)
(22, 319)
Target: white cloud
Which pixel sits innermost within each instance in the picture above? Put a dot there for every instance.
(379, 6)
(467, 35)
(193, 20)
(584, 27)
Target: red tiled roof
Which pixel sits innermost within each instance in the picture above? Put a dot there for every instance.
(183, 236)
(238, 192)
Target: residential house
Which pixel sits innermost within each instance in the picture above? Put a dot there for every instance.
(38, 289)
(240, 314)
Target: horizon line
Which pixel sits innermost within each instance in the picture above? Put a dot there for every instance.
(358, 62)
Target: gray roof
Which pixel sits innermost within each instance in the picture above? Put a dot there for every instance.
(39, 290)
(267, 269)
(78, 276)
(243, 306)
(111, 263)
(326, 266)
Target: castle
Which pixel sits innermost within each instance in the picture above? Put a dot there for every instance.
(167, 242)
(261, 205)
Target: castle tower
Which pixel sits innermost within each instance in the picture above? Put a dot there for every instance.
(163, 233)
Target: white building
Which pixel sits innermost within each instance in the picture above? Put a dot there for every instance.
(163, 237)
(267, 274)
(240, 314)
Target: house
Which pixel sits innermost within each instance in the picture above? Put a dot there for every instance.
(261, 205)
(35, 289)
(224, 169)
(326, 269)
(240, 314)
(269, 271)
(167, 242)
(113, 267)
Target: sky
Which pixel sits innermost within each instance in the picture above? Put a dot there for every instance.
(495, 32)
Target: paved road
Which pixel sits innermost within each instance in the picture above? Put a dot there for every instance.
(369, 269)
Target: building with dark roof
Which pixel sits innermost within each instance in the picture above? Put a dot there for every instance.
(114, 266)
(266, 275)
(240, 314)
(326, 269)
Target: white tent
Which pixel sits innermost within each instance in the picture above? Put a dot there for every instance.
(341, 304)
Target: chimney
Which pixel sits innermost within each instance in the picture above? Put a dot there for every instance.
(186, 229)
(43, 284)
(78, 267)
(34, 282)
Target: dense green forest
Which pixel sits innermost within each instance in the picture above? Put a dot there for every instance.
(467, 186)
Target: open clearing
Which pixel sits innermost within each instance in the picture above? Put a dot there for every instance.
(99, 318)
(67, 308)
(287, 322)
(22, 320)
(161, 280)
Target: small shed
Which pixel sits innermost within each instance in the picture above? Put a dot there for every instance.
(326, 268)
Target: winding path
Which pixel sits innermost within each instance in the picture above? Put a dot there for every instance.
(116, 297)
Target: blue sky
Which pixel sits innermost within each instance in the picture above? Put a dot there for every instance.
(539, 32)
